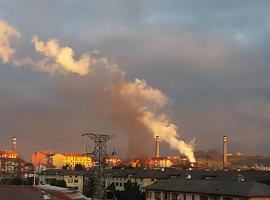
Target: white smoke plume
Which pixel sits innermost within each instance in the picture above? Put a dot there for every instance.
(142, 94)
(57, 58)
(145, 98)
(167, 131)
(6, 31)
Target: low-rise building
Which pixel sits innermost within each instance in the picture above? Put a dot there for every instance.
(11, 168)
(74, 179)
(71, 159)
(8, 154)
(143, 177)
(42, 158)
(176, 189)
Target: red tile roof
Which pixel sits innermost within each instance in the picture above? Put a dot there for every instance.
(19, 192)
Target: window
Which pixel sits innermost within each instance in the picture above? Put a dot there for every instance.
(193, 197)
(76, 180)
(203, 197)
(70, 181)
(165, 196)
(157, 196)
(152, 179)
(184, 196)
(148, 194)
(175, 196)
(121, 184)
(116, 184)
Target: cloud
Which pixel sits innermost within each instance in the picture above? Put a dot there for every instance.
(6, 31)
(57, 58)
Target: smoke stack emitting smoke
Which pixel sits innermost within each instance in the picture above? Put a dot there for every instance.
(147, 100)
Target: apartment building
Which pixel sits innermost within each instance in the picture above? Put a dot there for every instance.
(71, 159)
(73, 179)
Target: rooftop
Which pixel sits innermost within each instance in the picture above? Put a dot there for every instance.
(213, 187)
(61, 172)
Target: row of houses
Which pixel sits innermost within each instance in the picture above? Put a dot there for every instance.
(46, 159)
(157, 179)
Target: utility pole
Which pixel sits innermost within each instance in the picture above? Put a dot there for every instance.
(100, 155)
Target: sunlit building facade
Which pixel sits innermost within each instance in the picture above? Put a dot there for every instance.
(70, 159)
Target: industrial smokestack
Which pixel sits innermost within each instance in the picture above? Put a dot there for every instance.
(225, 153)
(157, 147)
(14, 143)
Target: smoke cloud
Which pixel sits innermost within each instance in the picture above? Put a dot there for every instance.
(145, 98)
(58, 58)
(6, 31)
(140, 102)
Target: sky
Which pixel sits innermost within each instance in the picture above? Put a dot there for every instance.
(210, 58)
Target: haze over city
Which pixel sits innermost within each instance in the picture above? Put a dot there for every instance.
(131, 70)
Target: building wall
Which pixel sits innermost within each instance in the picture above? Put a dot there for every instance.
(41, 158)
(120, 181)
(72, 181)
(59, 160)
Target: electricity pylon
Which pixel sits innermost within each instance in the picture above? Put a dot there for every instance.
(100, 155)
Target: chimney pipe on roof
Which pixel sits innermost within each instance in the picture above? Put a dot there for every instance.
(157, 147)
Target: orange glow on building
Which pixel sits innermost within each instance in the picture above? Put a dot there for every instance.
(113, 161)
(8, 154)
(42, 158)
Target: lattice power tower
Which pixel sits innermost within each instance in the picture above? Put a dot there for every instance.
(100, 155)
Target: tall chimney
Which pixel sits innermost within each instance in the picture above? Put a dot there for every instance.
(14, 143)
(225, 153)
(157, 147)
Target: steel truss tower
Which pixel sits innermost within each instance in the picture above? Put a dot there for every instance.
(100, 155)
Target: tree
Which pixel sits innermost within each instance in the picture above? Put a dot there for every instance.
(61, 183)
(78, 167)
(65, 167)
(16, 181)
(132, 191)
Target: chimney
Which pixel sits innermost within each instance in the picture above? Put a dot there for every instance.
(157, 146)
(14, 143)
(225, 153)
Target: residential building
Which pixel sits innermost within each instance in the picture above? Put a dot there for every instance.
(74, 179)
(11, 168)
(42, 158)
(70, 159)
(176, 189)
(145, 177)
(142, 177)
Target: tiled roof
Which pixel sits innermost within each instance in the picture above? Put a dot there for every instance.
(230, 188)
(61, 172)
